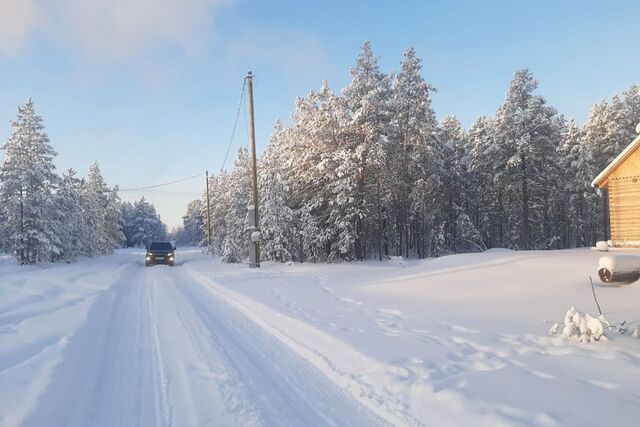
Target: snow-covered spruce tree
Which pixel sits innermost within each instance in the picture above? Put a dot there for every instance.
(101, 214)
(193, 221)
(28, 182)
(528, 133)
(220, 204)
(415, 154)
(235, 246)
(144, 224)
(276, 217)
(71, 227)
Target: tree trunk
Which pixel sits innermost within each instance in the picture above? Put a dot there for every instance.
(525, 237)
(22, 242)
(379, 239)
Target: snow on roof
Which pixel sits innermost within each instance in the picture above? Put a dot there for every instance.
(602, 176)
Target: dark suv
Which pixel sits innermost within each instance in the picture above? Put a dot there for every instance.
(160, 253)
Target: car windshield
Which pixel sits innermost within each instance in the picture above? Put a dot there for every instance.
(161, 246)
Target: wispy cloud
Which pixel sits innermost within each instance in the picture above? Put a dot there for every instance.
(290, 51)
(124, 28)
(114, 29)
(19, 19)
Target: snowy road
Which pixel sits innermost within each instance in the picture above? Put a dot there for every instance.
(109, 342)
(161, 347)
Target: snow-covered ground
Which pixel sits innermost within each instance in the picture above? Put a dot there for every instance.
(459, 340)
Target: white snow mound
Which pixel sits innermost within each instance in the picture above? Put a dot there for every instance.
(581, 327)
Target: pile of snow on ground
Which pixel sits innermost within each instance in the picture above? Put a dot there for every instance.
(581, 327)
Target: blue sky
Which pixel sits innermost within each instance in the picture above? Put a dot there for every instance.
(150, 88)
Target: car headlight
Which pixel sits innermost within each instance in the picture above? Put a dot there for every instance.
(148, 256)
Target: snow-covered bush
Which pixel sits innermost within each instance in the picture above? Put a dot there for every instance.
(581, 327)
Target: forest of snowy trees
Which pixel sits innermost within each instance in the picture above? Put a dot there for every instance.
(141, 224)
(362, 174)
(47, 217)
(370, 173)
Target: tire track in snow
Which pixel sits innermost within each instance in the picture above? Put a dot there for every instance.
(157, 349)
(227, 394)
(163, 405)
(300, 394)
(107, 375)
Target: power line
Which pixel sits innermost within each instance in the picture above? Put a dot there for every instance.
(233, 132)
(235, 124)
(163, 184)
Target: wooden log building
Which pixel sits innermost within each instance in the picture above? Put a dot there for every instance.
(620, 180)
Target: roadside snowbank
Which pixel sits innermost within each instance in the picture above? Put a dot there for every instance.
(462, 338)
(41, 309)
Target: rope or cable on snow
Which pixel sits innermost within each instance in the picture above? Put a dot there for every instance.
(163, 184)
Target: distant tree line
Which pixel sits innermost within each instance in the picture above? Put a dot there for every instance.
(371, 173)
(48, 217)
(192, 231)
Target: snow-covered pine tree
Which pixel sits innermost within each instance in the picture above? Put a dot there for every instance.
(114, 222)
(485, 191)
(368, 100)
(461, 234)
(127, 212)
(344, 210)
(317, 140)
(415, 154)
(371, 171)
(611, 126)
(339, 163)
(28, 182)
(608, 130)
(528, 132)
(193, 222)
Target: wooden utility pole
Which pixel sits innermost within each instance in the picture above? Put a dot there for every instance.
(208, 215)
(254, 170)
